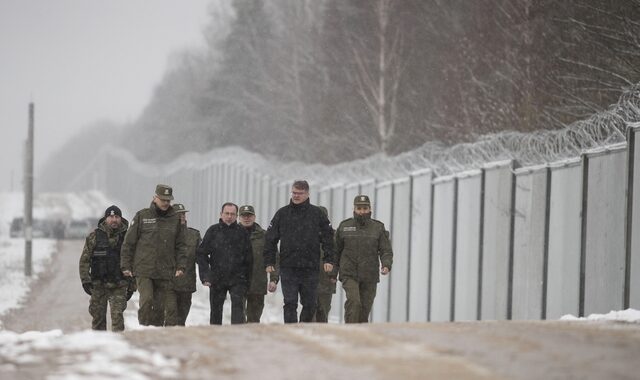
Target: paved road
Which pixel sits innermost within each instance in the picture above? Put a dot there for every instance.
(471, 350)
(56, 300)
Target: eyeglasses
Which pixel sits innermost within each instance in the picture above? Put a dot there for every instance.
(298, 192)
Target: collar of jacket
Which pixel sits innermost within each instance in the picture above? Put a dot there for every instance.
(250, 229)
(159, 213)
(225, 225)
(102, 224)
(302, 206)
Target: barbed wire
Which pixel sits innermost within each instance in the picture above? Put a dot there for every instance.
(528, 149)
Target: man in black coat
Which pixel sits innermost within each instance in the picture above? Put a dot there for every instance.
(225, 260)
(297, 227)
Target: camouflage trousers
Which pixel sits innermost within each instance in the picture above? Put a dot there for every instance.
(255, 306)
(183, 301)
(323, 307)
(360, 296)
(108, 293)
(157, 302)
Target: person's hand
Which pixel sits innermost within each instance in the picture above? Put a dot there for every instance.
(272, 286)
(206, 283)
(384, 271)
(88, 287)
(270, 269)
(179, 273)
(333, 280)
(328, 267)
(127, 273)
(129, 294)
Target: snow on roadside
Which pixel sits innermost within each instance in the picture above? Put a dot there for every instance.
(14, 285)
(83, 355)
(628, 315)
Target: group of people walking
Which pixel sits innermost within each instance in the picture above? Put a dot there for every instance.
(156, 254)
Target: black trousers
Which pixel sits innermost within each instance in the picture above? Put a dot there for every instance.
(303, 282)
(217, 296)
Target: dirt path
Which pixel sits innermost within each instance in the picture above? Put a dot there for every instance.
(472, 350)
(56, 300)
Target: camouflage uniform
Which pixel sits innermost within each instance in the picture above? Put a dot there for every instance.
(185, 285)
(153, 249)
(362, 244)
(326, 287)
(108, 284)
(258, 286)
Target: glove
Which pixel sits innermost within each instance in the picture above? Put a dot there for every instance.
(88, 287)
(129, 294)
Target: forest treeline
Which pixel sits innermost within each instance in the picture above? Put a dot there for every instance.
(335, 80)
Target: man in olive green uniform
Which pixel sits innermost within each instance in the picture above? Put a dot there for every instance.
(100, 271)
(258, 286)
(363, 248)
(326, 287)
(185, 285)
(154, 251)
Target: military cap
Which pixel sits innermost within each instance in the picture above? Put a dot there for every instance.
(164, 192)
(362, 200)
(112, 210)
(247, 209)
(179, 207)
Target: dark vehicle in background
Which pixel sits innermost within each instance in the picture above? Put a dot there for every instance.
(78, 229)
(16, 229)
(42, 228)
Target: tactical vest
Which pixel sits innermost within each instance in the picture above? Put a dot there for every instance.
(105, 260)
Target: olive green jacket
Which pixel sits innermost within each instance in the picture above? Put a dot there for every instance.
(259, 275)
(362, 248)
(187, 283)
(155, 245)
(90, 244)
(325, 283)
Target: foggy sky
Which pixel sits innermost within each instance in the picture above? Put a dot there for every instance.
(82, 61)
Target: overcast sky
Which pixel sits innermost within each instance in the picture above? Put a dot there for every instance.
(81, 61)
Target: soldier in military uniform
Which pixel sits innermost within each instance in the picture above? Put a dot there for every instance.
(154, 250)
(326, 287)
(364, 251)
(185, 285)
(259, 285)
(100, 271)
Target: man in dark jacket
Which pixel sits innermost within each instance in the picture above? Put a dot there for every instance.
(259, 282)
(100, 271)
(154, 251)
(301, 228)
(224, 260)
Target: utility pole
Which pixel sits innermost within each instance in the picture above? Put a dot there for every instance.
(28, 196)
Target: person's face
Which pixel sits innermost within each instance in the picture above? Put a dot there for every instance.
(183, 217)
(114, 221)
(229, 215)
(298, 195)
(247, 220)
(362, 209)
(161, 203)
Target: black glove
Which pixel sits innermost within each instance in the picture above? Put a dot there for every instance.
(88, 287)
(129, 294)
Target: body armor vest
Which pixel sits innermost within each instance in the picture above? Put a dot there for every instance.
(105, 260)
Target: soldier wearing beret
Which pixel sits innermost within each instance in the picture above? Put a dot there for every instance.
(154, 251)
(364, 252)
